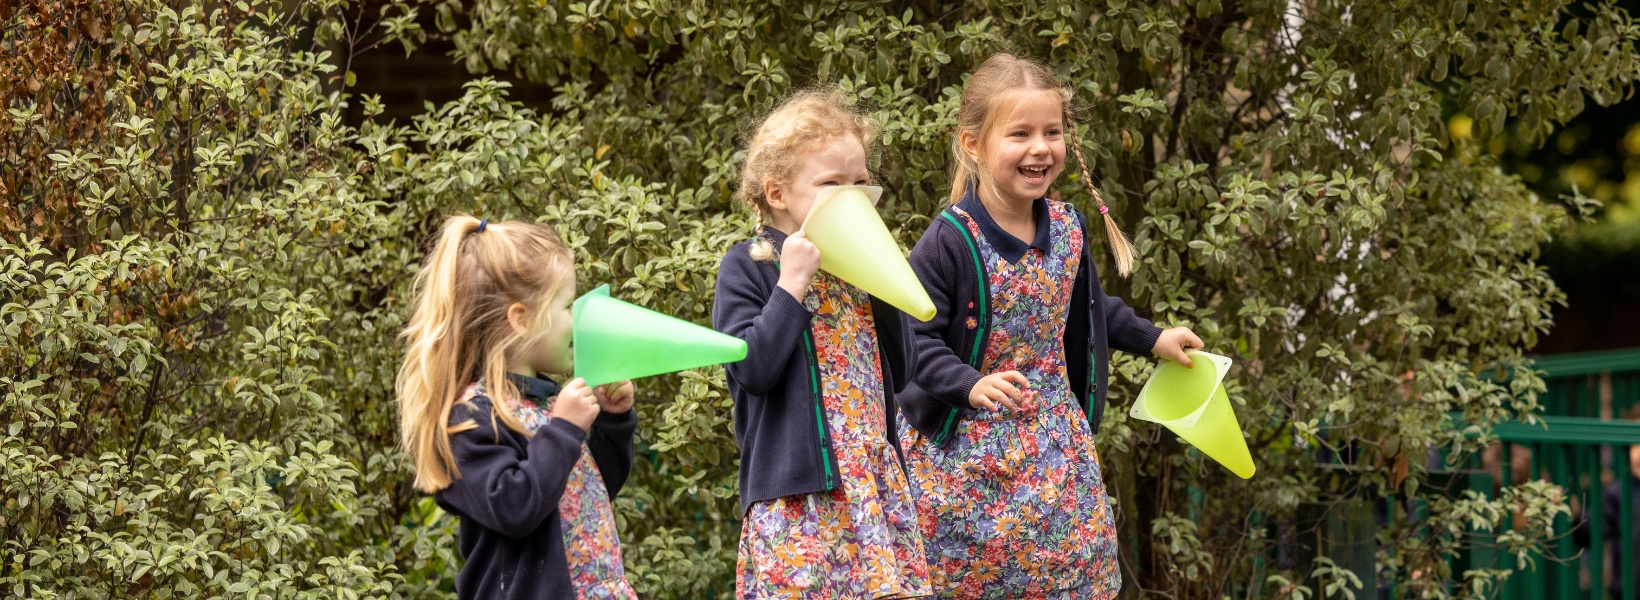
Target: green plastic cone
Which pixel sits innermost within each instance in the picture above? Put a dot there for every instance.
(615, 341)
(1192, 403)
(857, 248)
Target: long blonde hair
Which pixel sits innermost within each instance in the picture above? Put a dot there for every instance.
(805, 121)
(982, 106)
(460, 334)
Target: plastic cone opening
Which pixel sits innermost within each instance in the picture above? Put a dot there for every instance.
(1192, 403)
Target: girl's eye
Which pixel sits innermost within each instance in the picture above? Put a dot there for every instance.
(829, 183)
(863, 182)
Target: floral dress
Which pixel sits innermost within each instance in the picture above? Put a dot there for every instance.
(1014, 505)
(591, 545)
(860, 539)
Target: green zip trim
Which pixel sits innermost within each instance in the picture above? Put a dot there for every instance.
(1093, 356)
(984, 317)
(819, 413)
(1093, 360)
(984, 308)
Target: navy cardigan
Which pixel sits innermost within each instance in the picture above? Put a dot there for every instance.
(785, 445)
(508, 492)
(947, 260)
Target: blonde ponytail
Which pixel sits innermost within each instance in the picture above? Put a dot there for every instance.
(459, 332)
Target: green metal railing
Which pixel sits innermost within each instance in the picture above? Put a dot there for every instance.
(1591, 384)
(1583, 447)
(1573, 452)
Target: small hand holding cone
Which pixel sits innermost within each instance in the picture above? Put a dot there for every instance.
(1175, 344)
(577, 404)
(799, 261)
(614, 398)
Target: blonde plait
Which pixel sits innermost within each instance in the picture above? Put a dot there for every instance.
(1120, 248)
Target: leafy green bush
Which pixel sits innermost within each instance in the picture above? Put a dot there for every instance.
(199, 280)
(203, 268)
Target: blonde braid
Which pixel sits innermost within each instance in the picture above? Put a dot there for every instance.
(1120, 248)
(762, 247)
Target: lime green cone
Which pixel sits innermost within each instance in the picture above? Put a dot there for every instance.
(1192, 403)
(857, 248)
(616, 340)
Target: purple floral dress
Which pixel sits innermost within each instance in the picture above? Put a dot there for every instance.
(859, 540)
(1014, 505)
(591, 545)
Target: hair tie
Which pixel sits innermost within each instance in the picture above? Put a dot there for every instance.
(1104, 210)
(481, 225)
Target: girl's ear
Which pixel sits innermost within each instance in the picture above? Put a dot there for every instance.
(774, 193)
(518, 316)
(970, 144)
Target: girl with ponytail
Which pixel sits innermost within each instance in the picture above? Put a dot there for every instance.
(1010, 384)
(529, 466)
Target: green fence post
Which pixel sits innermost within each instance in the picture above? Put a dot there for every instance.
(1511, 590)
(1625, 520)
(1566, 573)
(1536, 580)
(1590, 490)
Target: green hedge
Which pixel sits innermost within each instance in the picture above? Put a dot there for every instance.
(203, 268)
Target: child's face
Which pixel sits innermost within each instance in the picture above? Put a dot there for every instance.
(840, 162)
(546, 348)
(1025, 151)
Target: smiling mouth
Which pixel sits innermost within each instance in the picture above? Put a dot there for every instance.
(1034, 172)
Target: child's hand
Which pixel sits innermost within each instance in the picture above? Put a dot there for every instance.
(577, 404)
(1174, 342)
(998, 388)
(614, 398)
(799, 260)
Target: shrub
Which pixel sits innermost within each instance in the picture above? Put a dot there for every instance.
(203, 267)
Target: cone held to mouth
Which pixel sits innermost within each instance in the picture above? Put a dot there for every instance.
(856, 246)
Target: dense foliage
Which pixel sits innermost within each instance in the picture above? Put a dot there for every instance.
(203, 267)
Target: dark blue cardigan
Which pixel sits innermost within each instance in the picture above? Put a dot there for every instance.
(508, 492)
(785, 445)
(947, 261)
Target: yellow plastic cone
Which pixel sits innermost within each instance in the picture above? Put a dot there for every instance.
(615, 341)
(857, 248)
(1192, 403)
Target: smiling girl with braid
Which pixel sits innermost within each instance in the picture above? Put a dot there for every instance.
(1012, 370)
